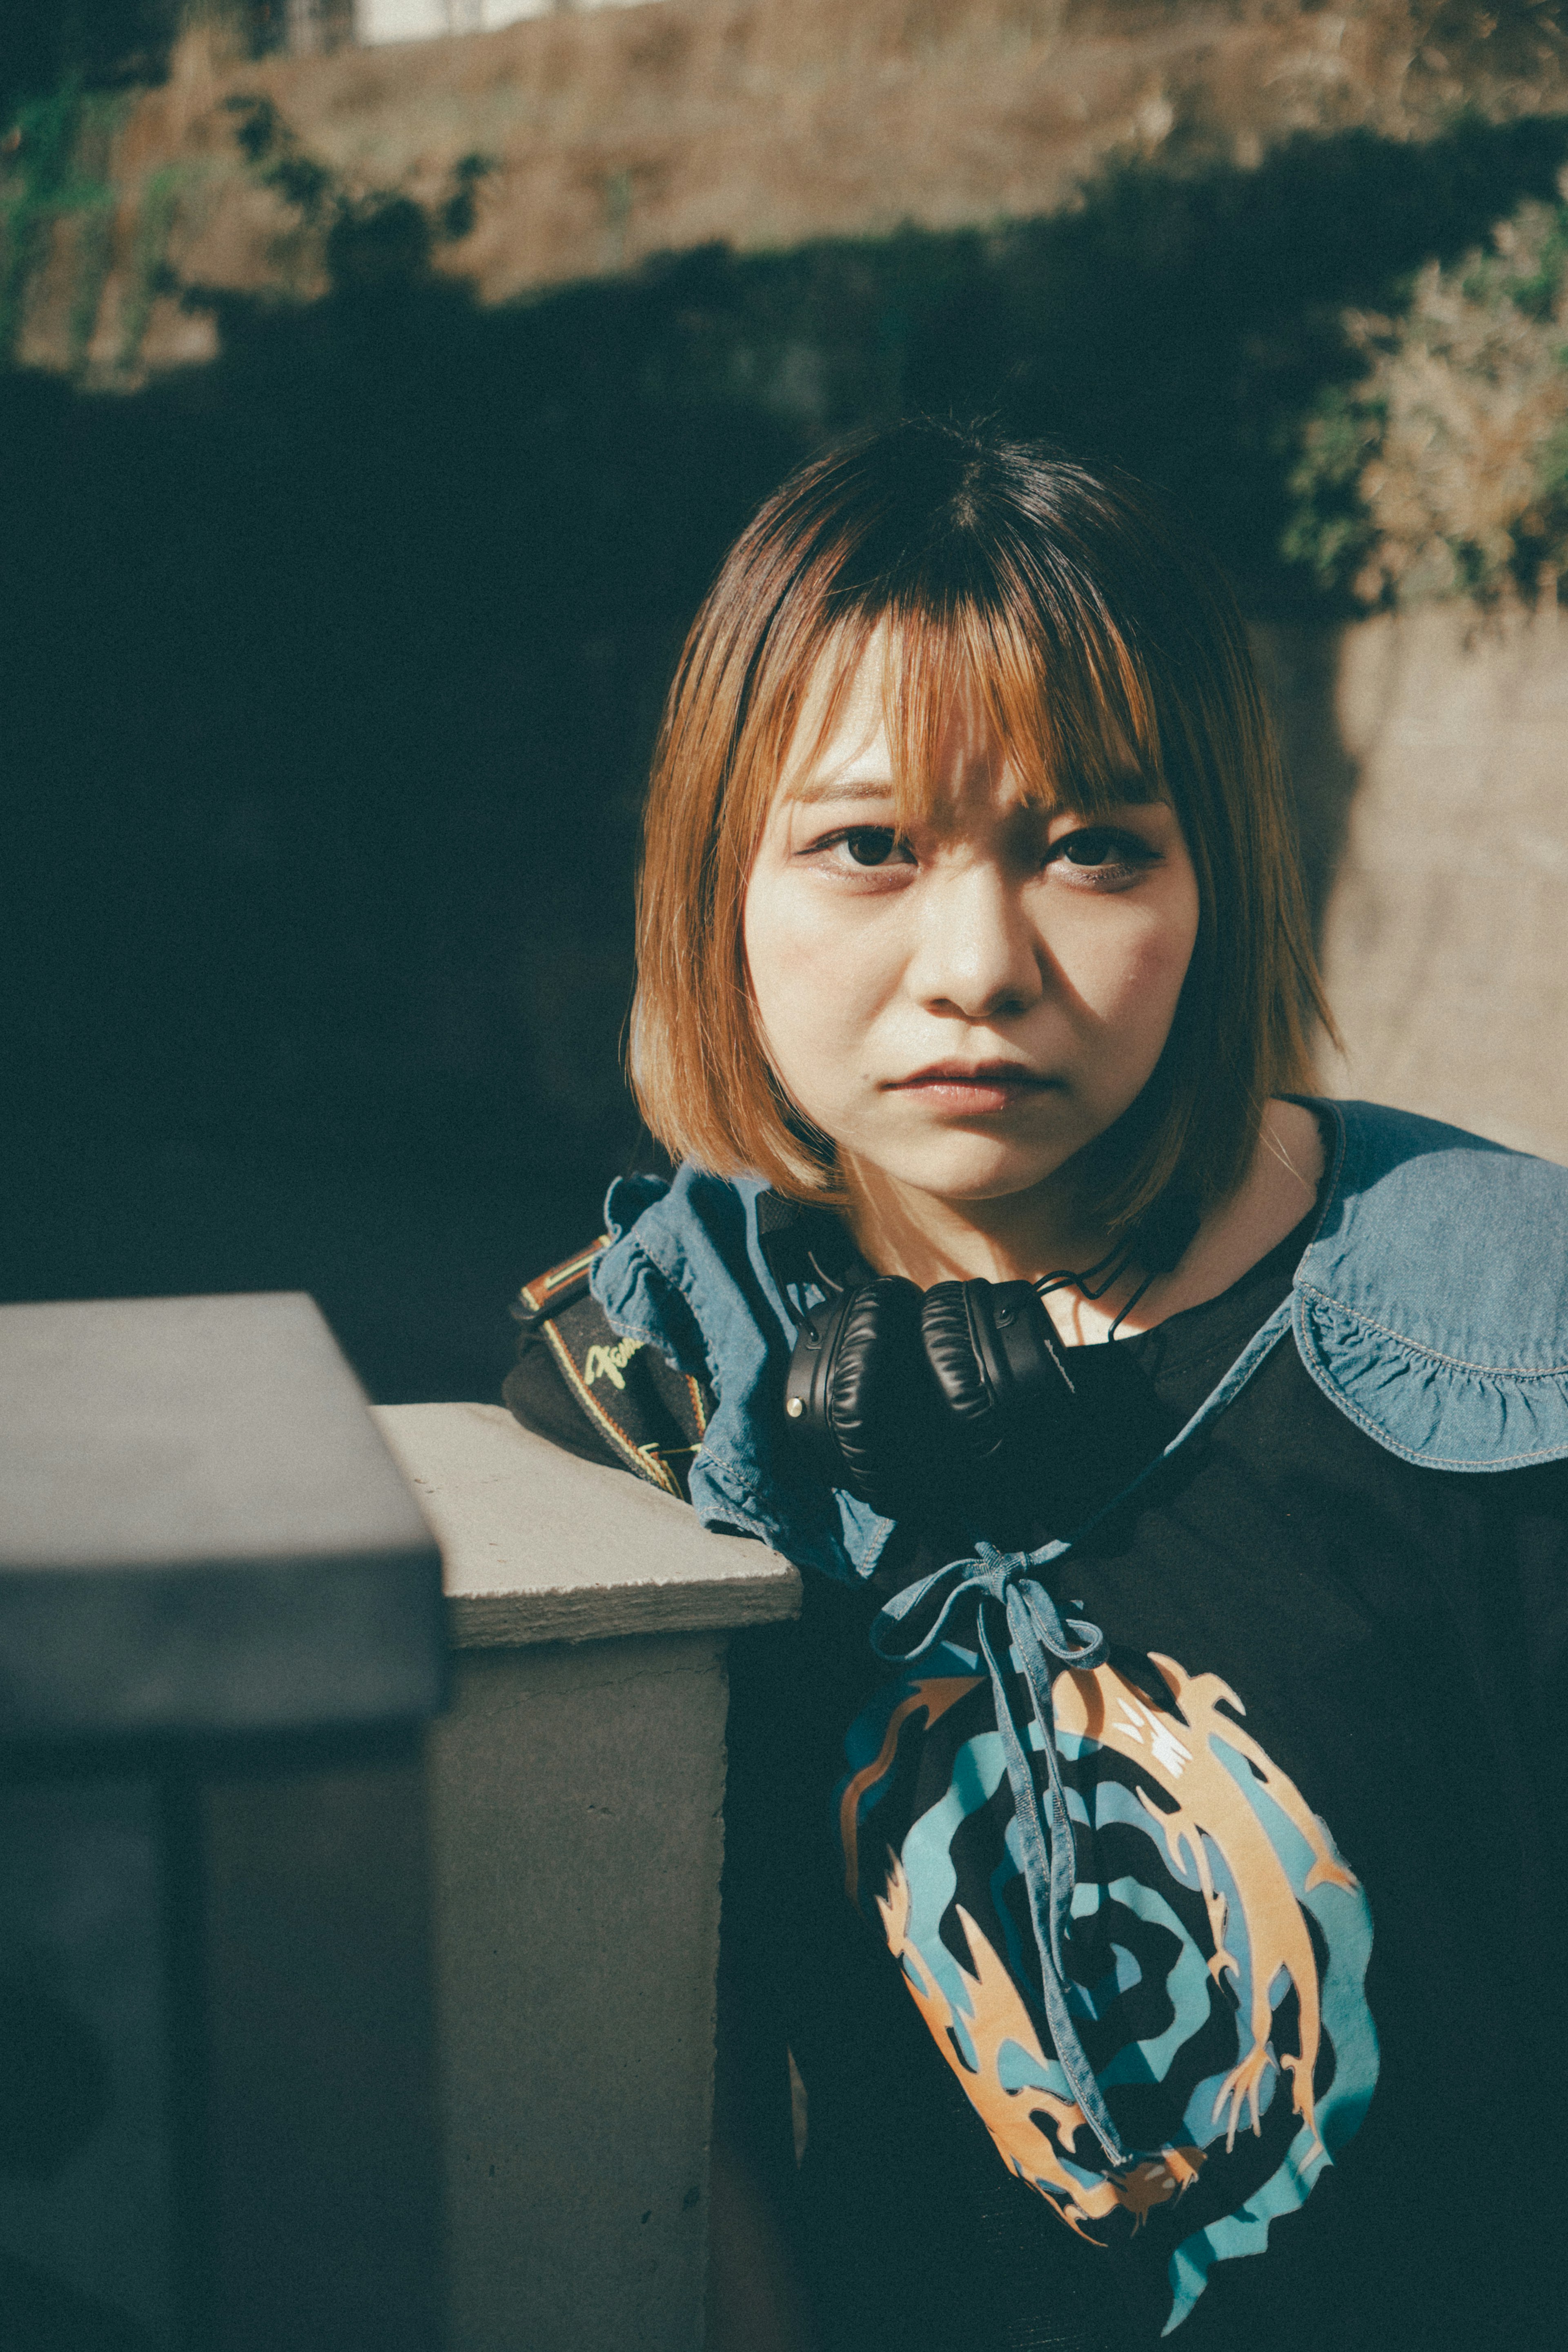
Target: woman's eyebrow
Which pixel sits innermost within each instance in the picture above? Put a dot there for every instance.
(852, 788)
(1126, 791)
(1141, 792)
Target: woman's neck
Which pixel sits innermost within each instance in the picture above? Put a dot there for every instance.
(901, 1231)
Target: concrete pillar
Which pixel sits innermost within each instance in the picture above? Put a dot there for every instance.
(576, 1788)
(222, 1635)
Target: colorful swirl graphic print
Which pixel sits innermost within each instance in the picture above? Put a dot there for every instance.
(1216, 1957)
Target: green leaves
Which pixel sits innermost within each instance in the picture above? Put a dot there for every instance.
(1443, 472)
(46, 174)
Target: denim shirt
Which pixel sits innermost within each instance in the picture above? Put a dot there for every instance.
(1431, 1305)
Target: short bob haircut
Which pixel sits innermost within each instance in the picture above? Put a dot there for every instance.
(1106, 652)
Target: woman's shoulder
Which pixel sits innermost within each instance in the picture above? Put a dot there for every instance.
(1380, 1139)
(1471, 1235)
(1432, 1301)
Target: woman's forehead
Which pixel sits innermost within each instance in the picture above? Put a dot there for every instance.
(875, 723)
(841, 734)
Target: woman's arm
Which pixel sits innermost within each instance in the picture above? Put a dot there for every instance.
(758, 2300)
(756, 2297)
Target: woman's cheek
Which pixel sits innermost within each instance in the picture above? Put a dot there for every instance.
(1127, 981)
(839, 993)
(802, 979)
(1159, 967)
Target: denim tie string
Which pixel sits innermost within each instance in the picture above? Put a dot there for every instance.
(997, 1595)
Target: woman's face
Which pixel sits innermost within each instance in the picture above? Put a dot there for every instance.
(966, 1006)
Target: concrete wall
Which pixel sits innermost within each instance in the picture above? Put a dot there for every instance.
(620, 132)
(1430, 751)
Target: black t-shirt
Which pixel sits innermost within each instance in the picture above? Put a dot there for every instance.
(1387, 1653)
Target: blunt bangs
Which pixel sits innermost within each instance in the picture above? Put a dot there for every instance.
(1071, 744)
(1065, 609)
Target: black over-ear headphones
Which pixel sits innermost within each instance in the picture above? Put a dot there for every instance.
(893, 1389)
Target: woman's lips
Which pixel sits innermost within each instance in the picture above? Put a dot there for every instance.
(985, 1086)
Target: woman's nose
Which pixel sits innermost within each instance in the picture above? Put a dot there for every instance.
(976, 952)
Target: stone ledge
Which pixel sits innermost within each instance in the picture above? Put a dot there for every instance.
(540, 1547)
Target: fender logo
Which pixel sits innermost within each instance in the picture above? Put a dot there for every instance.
(610, 1361)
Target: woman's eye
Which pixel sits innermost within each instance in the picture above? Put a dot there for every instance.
(871, 846)
(1102, 849)
(1098, 846)
(852, 849)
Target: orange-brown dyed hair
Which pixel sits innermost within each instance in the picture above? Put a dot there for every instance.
(1087, 625)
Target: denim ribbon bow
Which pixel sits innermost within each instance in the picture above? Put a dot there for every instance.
(994, 1600)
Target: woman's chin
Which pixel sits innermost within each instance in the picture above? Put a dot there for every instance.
(968, 1168)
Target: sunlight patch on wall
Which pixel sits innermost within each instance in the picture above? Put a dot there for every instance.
(379, 21)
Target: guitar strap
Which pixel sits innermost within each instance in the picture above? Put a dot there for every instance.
(651, 1414)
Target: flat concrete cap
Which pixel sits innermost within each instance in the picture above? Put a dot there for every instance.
(201, 1530)
(540, 1547)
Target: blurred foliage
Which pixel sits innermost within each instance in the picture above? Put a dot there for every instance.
(1188, 319)
(90, 44)
(1443, 471)
(366, 235)
(53, 162)
(119, 44)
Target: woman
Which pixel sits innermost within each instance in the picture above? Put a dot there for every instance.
(1142, 1848)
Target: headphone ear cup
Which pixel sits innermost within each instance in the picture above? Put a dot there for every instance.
(879, 1408)
(995, 1356)
(948, 1339)
(886, 1384)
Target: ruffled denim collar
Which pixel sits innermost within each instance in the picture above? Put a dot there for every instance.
(1429, 1306)
(684, 1272)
